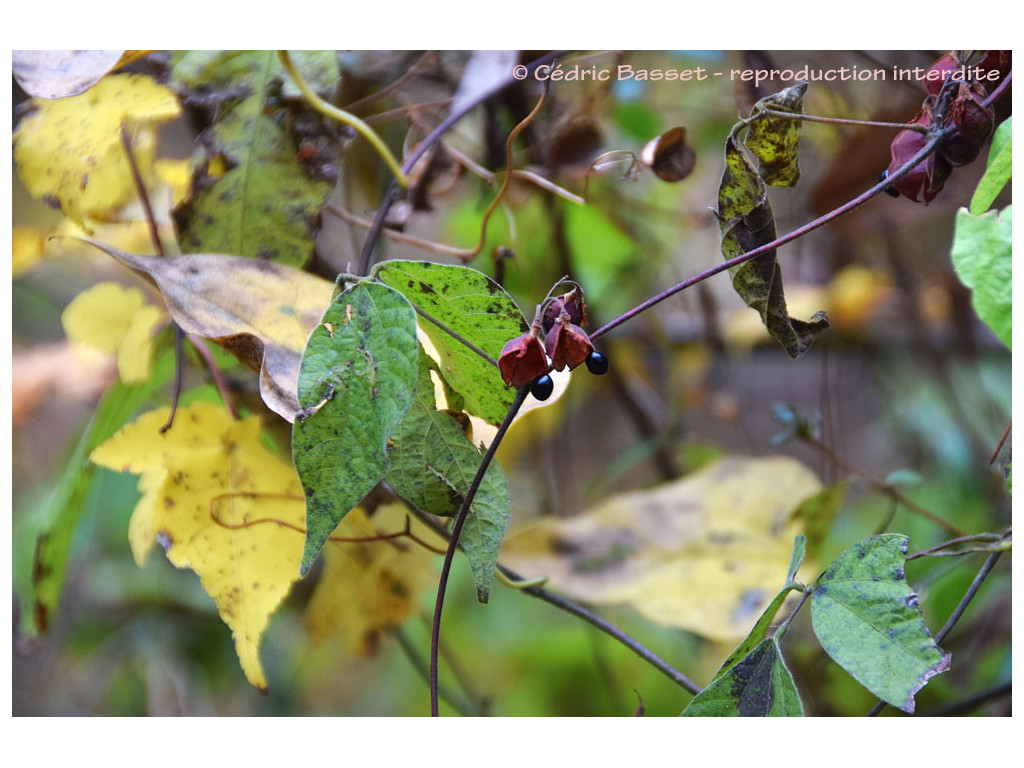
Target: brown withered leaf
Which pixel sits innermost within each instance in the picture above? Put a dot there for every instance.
(669, 156)
(259, 311)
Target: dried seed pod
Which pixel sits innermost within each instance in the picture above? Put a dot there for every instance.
(971, 116)
(523, 360)
(567, 344)
(925, 181)
(669, 156)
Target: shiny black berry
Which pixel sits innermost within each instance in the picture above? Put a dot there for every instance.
(542, 387)
(597, 363)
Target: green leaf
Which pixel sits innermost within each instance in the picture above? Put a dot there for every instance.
(998, 171)
(432, 464)
(265, 206)
(868, 620)
(747, 222)
(357, 381)
(473, 306)
(759, 685)
(982, 256)
(775, 141)
(760, 630)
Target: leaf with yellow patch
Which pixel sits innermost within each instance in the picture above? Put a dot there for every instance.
(261, 312)
(222, 505)
(703, 552)
(369, 588)
(69, 151)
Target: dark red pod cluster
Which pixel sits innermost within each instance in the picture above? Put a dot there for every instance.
(925, 181)
(966, 110)
(555, 340)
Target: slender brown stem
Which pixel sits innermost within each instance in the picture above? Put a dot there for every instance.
(453, 542)
(846, 121)
(392, 193)
(1002, 440)
(888, 490)
(821, 221)
(179, 335)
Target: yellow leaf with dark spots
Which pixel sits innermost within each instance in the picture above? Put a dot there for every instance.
(705, 553)
(69, 152)
(222, 505)
(370, 588)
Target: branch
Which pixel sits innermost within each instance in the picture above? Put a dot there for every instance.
(435, 634)
(937, 138)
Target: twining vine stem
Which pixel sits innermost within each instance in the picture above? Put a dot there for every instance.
(453, 542)
(431, 138)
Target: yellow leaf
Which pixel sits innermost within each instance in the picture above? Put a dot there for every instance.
(177, 175)
(99, 316)
(27, 248)
(706, 552)
(369, 588)
(222, 505)
(135, 354)
(112, 318)
(69, 151)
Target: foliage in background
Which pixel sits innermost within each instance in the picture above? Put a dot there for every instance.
(389, 386)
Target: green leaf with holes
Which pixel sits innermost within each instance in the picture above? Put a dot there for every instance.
(357, 381)
(758, 685)
(474, 307)
(867, 619)
(432, 463)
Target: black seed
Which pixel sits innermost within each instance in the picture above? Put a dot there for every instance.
(597, 363)
(890, 191)
(542, 387)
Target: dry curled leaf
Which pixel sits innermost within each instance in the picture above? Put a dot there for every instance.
(261, 312)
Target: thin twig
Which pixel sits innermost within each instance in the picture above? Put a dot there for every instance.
(179, 335)
(435, 635)
(932, 144)
(346, 118)
(579, 611)
(432, 138)
(1002, 441)
(888, 490)
(846, 121)
(414, 70)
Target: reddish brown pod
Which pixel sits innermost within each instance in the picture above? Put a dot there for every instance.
(925, 181)
(522, 359)
(567, 344)
(571, 304)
